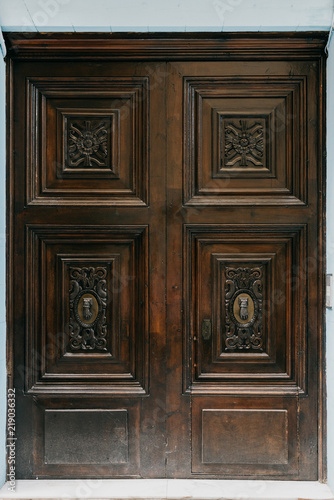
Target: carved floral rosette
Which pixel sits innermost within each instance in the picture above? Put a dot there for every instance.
(243, 308)
(88, 303)
(87, 143)
(244, 144)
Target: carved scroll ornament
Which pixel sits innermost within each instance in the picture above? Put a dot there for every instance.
(243, 308)
(88, 303)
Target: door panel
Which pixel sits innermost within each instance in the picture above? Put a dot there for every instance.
(242, 225)
(88, 140)
(87, 329)
(90, 360)
(246, 308)
(86, 438)
(166, 258)
(245, 436)
(244, 139)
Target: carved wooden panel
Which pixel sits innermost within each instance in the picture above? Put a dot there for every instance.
(243, 280)
(90, 144)
(88, 298)
(87, 330)
(244, 140)
(243, 308)
(243, 143)
(87, 141)
(259, 436)
(117, 148)
(89, 304)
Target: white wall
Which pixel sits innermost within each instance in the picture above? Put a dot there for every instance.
(176, 15)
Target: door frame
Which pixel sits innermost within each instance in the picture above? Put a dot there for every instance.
(175, 46)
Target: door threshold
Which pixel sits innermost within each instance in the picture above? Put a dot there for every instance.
(165, 489)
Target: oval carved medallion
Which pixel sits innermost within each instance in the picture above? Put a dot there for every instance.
(87, 309)
(243, 308)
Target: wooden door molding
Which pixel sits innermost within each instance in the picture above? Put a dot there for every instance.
(166, 46)
(112, 110)
(272, 117)
(195, 166)
(110, 355)
(253, 355)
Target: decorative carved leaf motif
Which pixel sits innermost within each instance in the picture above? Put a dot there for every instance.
(87, 143)
(244, 146)
(88, 303)
(243, 308)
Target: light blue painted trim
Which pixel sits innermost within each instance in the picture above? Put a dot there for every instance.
(93, 29)
(3, 378)
(167, 29)
(145, 29)
(133, 29)
(51, 29)
(2, 45)
(199, 29)
(21, 29)
(276, 28)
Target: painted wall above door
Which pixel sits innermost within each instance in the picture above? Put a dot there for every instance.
(159, 15)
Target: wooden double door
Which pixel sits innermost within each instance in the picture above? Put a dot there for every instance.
(165, 258)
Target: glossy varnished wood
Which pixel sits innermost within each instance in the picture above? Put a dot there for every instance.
(183, 203)
(241, 207)
(60, 227)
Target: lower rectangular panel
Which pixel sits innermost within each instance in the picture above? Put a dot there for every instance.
(223, 440)
(81, 440)
(71, 436)
(244, 437)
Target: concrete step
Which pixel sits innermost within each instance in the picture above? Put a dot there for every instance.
(165, 489)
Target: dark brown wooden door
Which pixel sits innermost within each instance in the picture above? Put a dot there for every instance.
(165, 247)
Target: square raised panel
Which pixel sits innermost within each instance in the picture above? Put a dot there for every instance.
(221, 445)
(242, 146)
(245, 141)
(64, 443)
(78, 437)
(87, 319)
(240, 437)
(90, 145)
(87, 141)
(246, 316)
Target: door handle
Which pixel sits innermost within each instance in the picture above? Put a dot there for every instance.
(206, 329)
